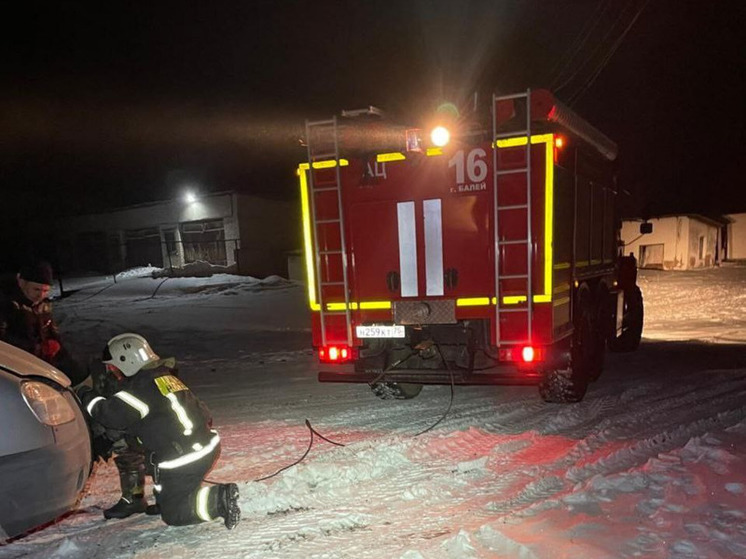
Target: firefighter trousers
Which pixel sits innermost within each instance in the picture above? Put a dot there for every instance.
(179, 492)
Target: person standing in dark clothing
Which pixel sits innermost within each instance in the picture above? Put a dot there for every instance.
(174, 428)
(26, 319)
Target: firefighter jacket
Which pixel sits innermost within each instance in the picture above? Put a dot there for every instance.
(24, 324)
(159, 409)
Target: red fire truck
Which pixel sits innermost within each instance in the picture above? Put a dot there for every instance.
(487, 253)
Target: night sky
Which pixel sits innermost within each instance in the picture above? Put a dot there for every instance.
(115, 103)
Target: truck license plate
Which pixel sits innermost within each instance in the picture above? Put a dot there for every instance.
(395, 331)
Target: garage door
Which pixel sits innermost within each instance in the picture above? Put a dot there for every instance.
(651, 256)
(143, 247)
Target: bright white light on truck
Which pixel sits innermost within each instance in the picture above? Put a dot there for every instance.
(440, 136)
(527, 354)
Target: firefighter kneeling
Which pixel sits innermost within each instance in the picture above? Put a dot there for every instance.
(173, 426)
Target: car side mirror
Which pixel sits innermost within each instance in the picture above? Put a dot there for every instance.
(646, 228)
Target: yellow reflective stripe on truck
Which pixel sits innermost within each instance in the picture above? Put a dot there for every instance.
(548, 141)
(307, 249)
(461, 302)
(306, 211)
(386, 157)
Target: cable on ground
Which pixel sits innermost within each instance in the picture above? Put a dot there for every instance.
(310, 444)
(450, 403)
(383, 373)
(158, 287)
(313, 432)
(97, 292)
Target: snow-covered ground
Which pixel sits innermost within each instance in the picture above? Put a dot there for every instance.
(651, 464)
(708, 305)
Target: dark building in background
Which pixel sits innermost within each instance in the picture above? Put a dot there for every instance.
(251, 235)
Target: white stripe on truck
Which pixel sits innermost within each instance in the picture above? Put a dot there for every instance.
(433, 246)
(407, 249)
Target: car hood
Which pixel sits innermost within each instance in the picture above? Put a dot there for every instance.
(24, 364)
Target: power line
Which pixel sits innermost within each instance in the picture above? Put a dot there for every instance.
(556, 72)
(600, 43)
(606, 60)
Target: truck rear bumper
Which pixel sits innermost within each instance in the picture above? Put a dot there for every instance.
(505, 375)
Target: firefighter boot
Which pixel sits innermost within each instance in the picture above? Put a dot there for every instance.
(133, 500)
(228, 505)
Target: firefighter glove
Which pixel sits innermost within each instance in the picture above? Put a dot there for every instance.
(86, 394)
(82, 391)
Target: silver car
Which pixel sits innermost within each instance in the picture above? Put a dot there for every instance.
(45, 443)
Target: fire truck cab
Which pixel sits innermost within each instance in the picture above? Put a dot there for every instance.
(488, 257)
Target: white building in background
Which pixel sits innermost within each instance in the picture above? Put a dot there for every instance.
(679, 242)
(251, 234)
(736, 237)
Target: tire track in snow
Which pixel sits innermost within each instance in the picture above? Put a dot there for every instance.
(648, 418)
(717, 414)
(347, 480)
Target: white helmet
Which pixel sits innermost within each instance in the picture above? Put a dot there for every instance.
(129, 353)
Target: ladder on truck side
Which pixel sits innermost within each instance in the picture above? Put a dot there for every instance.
(322, 141)
(501, 309)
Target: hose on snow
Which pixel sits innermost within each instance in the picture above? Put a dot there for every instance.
(313, 432)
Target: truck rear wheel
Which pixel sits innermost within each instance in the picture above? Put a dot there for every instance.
(396, 390)
(599, 333)
(569, 384)
(629, 339)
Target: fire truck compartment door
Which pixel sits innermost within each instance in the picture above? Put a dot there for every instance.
(374, 241)
(418, 240)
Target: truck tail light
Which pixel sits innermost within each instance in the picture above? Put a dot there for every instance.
(522, 354)
(336, 354)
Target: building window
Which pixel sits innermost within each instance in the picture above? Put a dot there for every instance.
(204, 241)
(701, 248)
(202, 226)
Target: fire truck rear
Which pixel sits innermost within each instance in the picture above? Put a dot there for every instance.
(488, 254)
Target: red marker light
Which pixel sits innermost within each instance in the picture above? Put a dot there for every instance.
(559, 143)
(336, 354)
(522, 355)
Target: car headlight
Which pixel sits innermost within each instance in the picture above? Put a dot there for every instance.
(48, 405)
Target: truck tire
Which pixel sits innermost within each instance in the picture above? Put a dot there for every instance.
(599, 332)
(396, 390)
(629, 339)
(569, 384)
